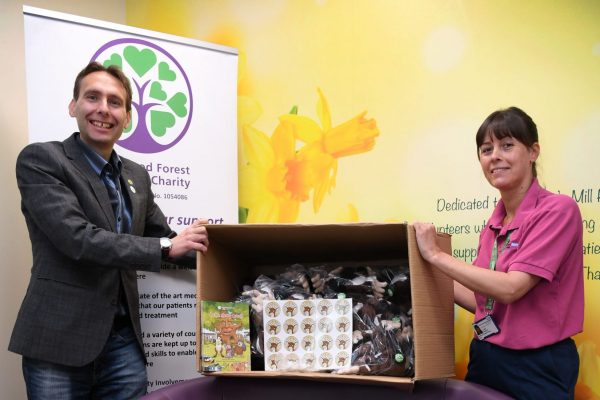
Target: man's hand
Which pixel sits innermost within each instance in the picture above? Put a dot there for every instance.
(194, 237)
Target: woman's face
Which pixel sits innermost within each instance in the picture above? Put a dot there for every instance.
(507, 163)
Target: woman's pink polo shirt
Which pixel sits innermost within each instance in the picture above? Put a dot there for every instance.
(546, 241)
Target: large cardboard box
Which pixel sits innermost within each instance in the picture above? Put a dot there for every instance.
(239, 253)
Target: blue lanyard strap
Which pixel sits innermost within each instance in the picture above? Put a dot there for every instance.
(489, 304)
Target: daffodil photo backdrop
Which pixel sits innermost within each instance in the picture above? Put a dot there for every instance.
(366, 110)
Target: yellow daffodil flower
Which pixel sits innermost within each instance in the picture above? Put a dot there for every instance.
(588, 386)
(263, 184)
(275, 177)
(325, 144)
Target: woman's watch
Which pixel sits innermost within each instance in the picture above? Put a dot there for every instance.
(165, 247)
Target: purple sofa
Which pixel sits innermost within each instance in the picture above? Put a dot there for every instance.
(230, 388)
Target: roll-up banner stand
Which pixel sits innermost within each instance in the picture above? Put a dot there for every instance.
(183, 132)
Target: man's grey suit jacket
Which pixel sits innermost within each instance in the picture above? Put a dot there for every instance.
(78, 258)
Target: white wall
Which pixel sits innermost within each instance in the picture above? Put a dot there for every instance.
(14, 241)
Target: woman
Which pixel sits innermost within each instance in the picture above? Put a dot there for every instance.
(526, 284)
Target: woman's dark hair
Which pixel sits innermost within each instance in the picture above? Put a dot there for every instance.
(509, 122)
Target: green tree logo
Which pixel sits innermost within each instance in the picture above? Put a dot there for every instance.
(162, 97)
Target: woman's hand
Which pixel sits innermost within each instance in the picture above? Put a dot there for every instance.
(426, 240)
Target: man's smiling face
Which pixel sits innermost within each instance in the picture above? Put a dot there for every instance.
(100, 111)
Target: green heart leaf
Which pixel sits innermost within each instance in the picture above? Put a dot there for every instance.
(156, 91)
(165, 73)
(177, 104)
(140, 61)
(160, 121)
(114, 59)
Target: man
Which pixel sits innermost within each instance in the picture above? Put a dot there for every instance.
(92, 222)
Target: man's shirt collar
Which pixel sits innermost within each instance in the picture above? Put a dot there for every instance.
(97, 162)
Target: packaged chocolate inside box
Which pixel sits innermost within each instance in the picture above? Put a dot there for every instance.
(341, 302)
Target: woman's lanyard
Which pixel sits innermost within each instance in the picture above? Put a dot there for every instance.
(489, 304)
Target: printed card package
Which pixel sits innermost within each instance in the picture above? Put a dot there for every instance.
(225, 336)
(238, 254)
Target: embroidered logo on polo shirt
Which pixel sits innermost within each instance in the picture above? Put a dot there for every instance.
(514, 245)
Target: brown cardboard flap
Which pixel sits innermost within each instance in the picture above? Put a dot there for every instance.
(433, 313)
(265, 243)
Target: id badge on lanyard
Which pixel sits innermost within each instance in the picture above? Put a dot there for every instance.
(486, 326)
